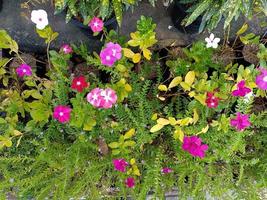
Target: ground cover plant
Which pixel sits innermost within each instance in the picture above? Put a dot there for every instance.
(131, 119)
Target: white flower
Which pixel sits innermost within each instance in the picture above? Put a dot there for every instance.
(39, 17)
(248, 97)
(212, 41)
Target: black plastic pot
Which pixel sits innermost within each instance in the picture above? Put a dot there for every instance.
(110, 24)
(178, 13)
(1, 2)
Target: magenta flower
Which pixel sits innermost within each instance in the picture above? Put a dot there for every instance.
(241, 122)
(109, 98)
(241, 90)
(193, 145)
(62, 113)
(120, 164)
(261, 79)
(107, 58)
(66, 49)
(166, 170)
(115, 48)
(96, 24)
(130, 183)
(24, 70)
(94, 97)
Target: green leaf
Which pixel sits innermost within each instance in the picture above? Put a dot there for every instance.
(129, 143)
(242, 29)
(114, 145)
(2, 120)
(116, 152)
(6, 42)
(117, 7)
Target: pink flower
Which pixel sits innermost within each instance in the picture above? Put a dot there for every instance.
(24, 70)
(109, 98)
(62, 113)
(193, 145)
(115, 48)
(211, 100)
(66, 49)
(120, 164)
(96, 24)
(130, 182)
(241, 122)
(107, 58)
(261, 79)
(166, 170)
(94, 97)
(241, 90)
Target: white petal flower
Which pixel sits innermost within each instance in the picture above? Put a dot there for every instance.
(248, 97)
(39, 17)
(212, 41)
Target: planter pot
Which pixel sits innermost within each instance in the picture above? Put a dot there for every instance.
(110, 24)
(178, 13)
(1, 2)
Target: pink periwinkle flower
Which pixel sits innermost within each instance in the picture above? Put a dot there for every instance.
(166, 170)
(261, 79)
(241, 90)
(66, 49)
(109, 98)
(241, 122)
(193, 145)
(130, 183)
(62, 113)
(107, 58)
(24, 70)
(94, 97)
(120, 164)
(96, 24)
(211, 100)
(115, 48)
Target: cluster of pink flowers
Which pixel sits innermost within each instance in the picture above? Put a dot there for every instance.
(120, 165)
(102, 98)
(110, 54)
(193, 145)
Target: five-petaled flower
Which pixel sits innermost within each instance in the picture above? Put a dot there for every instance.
(193, 145)
(120, 164)
(110, 54)
(109, 98)
(94, 97)
(211, 100)
(24, 70)
(261, 79)
(79, 83)
(212, 41)
(130, 183)
(62, 113)
(96, 24)
(241, 122)
(166, 170)
(66, 49)
(241, 90)
(39, 17)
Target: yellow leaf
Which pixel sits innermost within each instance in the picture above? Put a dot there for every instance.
(186, 121)
(242, 29)
(147, 54)
(195, 117)
(204, 130)
(201, 98)
(114, 145)
(136, 171)
(128, 88)
(154, 116)
(251, 84)
(156, 128)
(129, 133)
(128, 52)
(190, 78)
(172, 121)
(162, 88)
(132, 161)
(185, 86)
(163, 121)
(192, 93)
(121, 68)
(136, 58)
(161, 98)
(17, 133)
(177, 80)
(178, 134)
